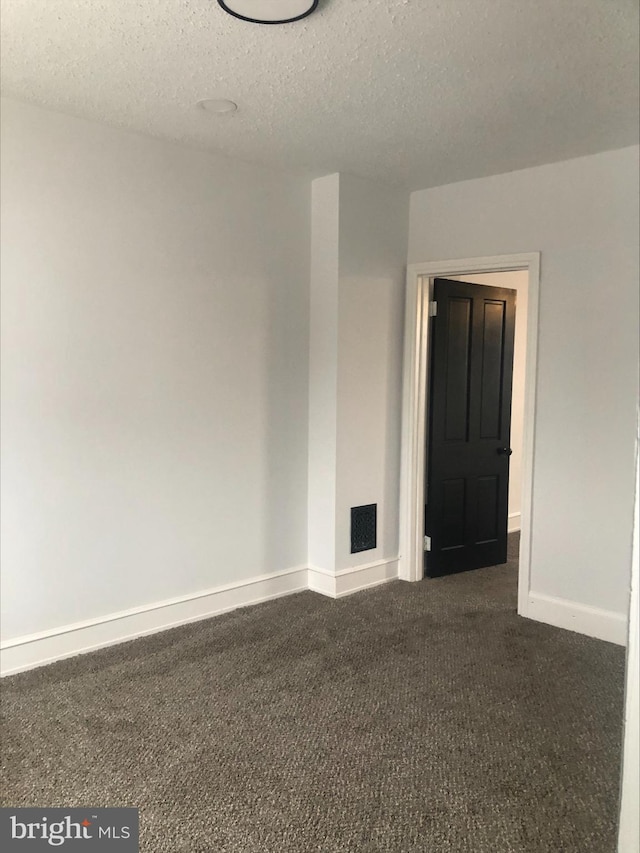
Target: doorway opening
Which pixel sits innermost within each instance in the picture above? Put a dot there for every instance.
(417, 365)
(469, 445)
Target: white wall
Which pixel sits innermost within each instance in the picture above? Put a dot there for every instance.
(582, 215)
(374, 224)
(323, 369)
(517, 280)
(154, 370)
(359, 239)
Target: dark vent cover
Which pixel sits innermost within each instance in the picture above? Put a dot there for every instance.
(363, 527)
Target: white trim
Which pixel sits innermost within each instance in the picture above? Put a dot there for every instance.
(353, 580)
(67, 641)
(414, 421)
(322, 581)
(628, 824)
(514, 522)
(592, 621)
(347, 581)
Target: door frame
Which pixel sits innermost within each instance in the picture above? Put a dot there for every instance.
(415, 398)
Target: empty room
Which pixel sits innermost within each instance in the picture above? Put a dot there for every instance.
(319, 426)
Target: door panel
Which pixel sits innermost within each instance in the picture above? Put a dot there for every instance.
(488, 508)
(491, 382)
(470, 421)
(453, 512)
(457, 375)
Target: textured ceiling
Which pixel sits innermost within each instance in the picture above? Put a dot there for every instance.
(416, 92)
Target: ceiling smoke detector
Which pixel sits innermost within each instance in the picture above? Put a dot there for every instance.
(269, 11)
(218, 106)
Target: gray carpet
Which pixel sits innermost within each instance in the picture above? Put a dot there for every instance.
(411, 717)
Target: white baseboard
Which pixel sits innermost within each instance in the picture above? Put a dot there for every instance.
(513, 523)
(592, 621)
(322, 581)
(35, 650)
(347, 581)
(353, 580)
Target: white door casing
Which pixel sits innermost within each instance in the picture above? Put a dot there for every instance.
(415, 401)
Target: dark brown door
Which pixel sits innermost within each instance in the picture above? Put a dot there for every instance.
(469, 427)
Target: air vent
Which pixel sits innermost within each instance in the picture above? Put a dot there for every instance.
(363, 527)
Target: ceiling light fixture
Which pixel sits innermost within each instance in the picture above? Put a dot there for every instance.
(269, 11)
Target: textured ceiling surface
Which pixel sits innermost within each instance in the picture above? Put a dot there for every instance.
(415, 92)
